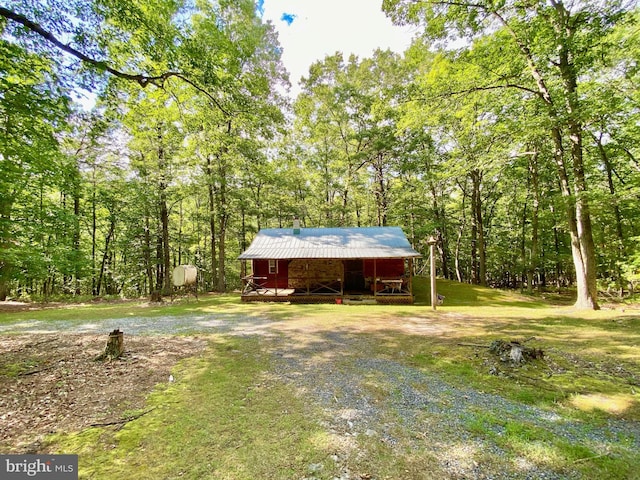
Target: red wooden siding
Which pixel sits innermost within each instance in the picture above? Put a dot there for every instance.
(279, 280)
(384, 268)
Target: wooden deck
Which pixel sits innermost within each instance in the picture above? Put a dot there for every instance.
(288, 295)
(328, 288)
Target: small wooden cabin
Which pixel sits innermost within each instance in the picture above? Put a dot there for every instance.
(350, 265)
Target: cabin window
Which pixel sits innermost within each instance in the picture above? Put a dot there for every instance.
(273, 267)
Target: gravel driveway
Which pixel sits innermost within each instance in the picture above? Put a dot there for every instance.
(434, 414)
(336, 370)
(162, 325)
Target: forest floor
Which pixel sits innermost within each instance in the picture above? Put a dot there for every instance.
(51, 383)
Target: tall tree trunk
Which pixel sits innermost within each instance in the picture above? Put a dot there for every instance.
(523, 250)
(159, 263)
(478, 252)
(147, 250)
(179, 237)
(222, 209)
(223, 218)
(381, 194)
(534, 254)
(105, 255)
(556, 249)
(578, 216)
(164, 216)
(572, 220)
(166, 258)
(612, 191)
(212, 222)
(458, 268)
(459, 275)
(222, 284)
(584, 255)
(440, 217)
(76, 237)
(616, 209)
(6, 267)
(243, 240)
(94, 229)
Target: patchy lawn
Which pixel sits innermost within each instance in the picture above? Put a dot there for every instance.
(330, 391)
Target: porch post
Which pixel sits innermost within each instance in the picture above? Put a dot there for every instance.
(375, 277)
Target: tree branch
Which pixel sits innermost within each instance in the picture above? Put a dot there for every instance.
(462, 4)
(480, 89)
(544, 92)
(124, 420)
(496, 87)
(142, 80)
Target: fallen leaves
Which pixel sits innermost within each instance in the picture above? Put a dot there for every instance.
(50, 383)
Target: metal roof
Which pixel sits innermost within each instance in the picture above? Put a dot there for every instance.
(365, 242)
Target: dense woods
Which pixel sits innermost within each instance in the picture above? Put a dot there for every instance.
(137, 136)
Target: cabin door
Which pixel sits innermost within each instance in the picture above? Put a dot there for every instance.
(353, 275)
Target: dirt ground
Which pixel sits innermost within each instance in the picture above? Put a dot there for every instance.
(51, 382)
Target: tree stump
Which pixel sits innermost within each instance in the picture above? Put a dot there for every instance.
(156, 296)
(515, 351)
(114, 348)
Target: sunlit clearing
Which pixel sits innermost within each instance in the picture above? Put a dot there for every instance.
(613, 404)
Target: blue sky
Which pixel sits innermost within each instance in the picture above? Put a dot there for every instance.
(288, 18)
(309, 30)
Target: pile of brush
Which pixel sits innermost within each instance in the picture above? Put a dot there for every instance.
(515, 351)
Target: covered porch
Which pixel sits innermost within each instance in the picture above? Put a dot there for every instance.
(332, 265)
(357, 281)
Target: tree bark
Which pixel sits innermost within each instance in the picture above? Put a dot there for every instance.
(94, 229)
(584, 256)
(223, 209)
(212, 222)
(458, 268)
(523, 251)
(443, 242)
(381, 193)
(612, 191)
(164, 215)
(578, 216)
(147, 250)
(223, 218)
(114, 348)
(5, 264)
(535, 222)
(477, 228)
(616, 210)
(105, 255)
(76, 236)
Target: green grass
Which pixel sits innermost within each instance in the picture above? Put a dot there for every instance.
(123, 309)
(221, 419)
(226, 418)
(541, 447)
(16, 369)
(456, 296)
